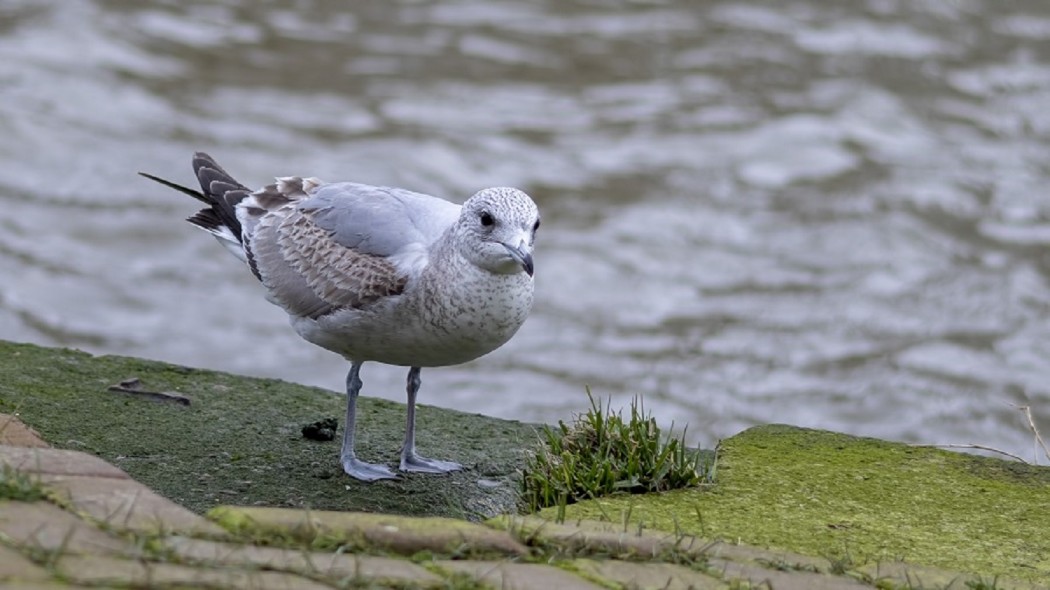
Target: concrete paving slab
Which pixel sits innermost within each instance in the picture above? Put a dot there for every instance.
(16, 567)
(125, 504)
(518, 576)
(43, 526)
(14, 433)
(122, 572)
(648, 576)
(57, 462)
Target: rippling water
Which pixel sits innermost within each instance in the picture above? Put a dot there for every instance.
(821, 214)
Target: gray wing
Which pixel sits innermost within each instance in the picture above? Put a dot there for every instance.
(379, 220)
(319, 248)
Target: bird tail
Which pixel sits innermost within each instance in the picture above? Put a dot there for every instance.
(221, 193)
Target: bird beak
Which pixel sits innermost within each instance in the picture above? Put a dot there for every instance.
(521, 254)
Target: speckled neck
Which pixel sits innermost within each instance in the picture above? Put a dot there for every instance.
(478, 310)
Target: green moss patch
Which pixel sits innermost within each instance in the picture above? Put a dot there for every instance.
(240, 439)
(856, 501)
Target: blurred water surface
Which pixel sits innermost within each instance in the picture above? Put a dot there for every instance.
(826, 214)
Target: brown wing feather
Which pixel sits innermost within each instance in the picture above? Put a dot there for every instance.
(338, 275)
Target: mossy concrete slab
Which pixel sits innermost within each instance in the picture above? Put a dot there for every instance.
(239, 440)
(588, 537)
(360, 531)
(858, 501)
(779, 560)
(751, 575)
(328, 565)
(518, 576)
(645, 576)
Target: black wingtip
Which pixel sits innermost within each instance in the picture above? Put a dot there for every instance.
(182, 189)
(219, 191)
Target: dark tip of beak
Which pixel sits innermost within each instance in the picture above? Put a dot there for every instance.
(524, 258)
(526, 263)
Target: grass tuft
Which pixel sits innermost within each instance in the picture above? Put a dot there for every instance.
(982, 583)
(15, 485)
(601, 453)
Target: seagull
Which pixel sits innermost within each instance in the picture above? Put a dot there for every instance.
(379, 274)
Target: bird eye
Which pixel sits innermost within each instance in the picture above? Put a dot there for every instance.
(536, 226)
(486, 219)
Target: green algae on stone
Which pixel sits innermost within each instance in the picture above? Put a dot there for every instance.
(240, 441)
(858, 500)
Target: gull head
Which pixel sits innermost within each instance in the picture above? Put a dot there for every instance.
(498, 228)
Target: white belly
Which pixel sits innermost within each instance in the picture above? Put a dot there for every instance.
(426, 331)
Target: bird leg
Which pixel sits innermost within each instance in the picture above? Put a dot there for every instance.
(353, 466)
(410, 461)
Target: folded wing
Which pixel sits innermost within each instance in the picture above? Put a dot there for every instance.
(318, 248)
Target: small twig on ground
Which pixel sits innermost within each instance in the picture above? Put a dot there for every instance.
(1027, 411)
(977, 447)
(1039, 442)
(133, 386)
